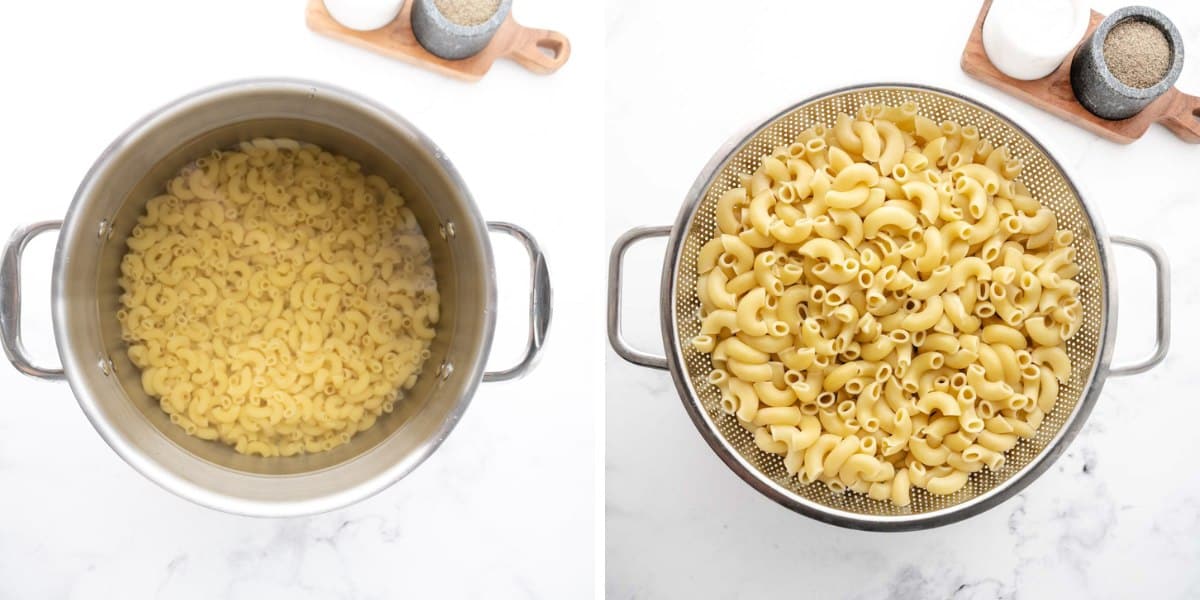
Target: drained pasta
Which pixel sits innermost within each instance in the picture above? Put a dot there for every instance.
(886, 305)
(277, 299)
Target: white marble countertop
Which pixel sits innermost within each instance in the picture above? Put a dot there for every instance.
(1117, 517)
(494, 513)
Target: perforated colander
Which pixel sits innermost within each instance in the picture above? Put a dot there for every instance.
(1090, 350)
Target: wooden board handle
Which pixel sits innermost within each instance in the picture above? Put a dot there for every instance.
(1183, 118)
(540, 50)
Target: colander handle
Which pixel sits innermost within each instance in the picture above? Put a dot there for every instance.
(10, 300)
(539, 302)
(1162, 324)
(615, 261)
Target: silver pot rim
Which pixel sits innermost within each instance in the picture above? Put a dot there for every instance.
(75, 362)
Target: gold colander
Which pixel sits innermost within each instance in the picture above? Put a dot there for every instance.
(1090, 350)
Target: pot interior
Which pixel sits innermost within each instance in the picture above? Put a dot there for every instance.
(136, 168)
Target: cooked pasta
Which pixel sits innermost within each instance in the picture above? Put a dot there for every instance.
(277, 299)
(886, 305)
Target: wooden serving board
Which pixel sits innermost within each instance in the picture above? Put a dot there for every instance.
(538, 50)
(1178, 111)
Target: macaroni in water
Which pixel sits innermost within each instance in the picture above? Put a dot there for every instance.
(277, 299)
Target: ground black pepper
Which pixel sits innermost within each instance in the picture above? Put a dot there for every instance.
(1137, 53)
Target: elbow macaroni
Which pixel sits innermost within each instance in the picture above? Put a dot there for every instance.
(277, 299)
(886, 306)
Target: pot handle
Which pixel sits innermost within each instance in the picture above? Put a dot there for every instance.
(10, 300)
(1162, 326)
(539, 302)
(615, 261)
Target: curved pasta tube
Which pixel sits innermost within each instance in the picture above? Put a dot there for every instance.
(860, 467)
(915, 162)
(797, 359)
(918, 367)
(988, 178)
(737, 286)
(893, 145)
(1010, 368)
(901, 429)
(766, 343)
(858, 175)
(976, 200)
(946, 484)
(787, 309)
(997, 442)
(887, 216)
(927, 455)
(1047, 390)
(760, 216)
(845, 135)
(954, 309)
(925, 318)
(966, 269)
(775, 417)
(926, 197)
(775, 169)
(957, 462)
(939, 401)
(1055, 358)
(807, 390)
(772, 396)
(706, 260)
(825, 249)
(935, 251)
(750, 373)
(764, 275)
(1042, 333)
(800, 437)
(802, 174)
(833, 273)
(762, 439)
(935, 151)
(749, 312)
(995, 391)
(794, 233)
(989, 359)
(1041, 221)
(815, 455)
(840, 375)
(848, 199)
(900, 488)
(718, 320)
(740, 251)
(738, 350)
(842, 452)
(872, 143)
(925, 289)
(715, 286)
(985, 227)
(747, 400)
(851, 223)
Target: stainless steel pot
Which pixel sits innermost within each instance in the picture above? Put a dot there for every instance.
(1090, 350)
(85, 292)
